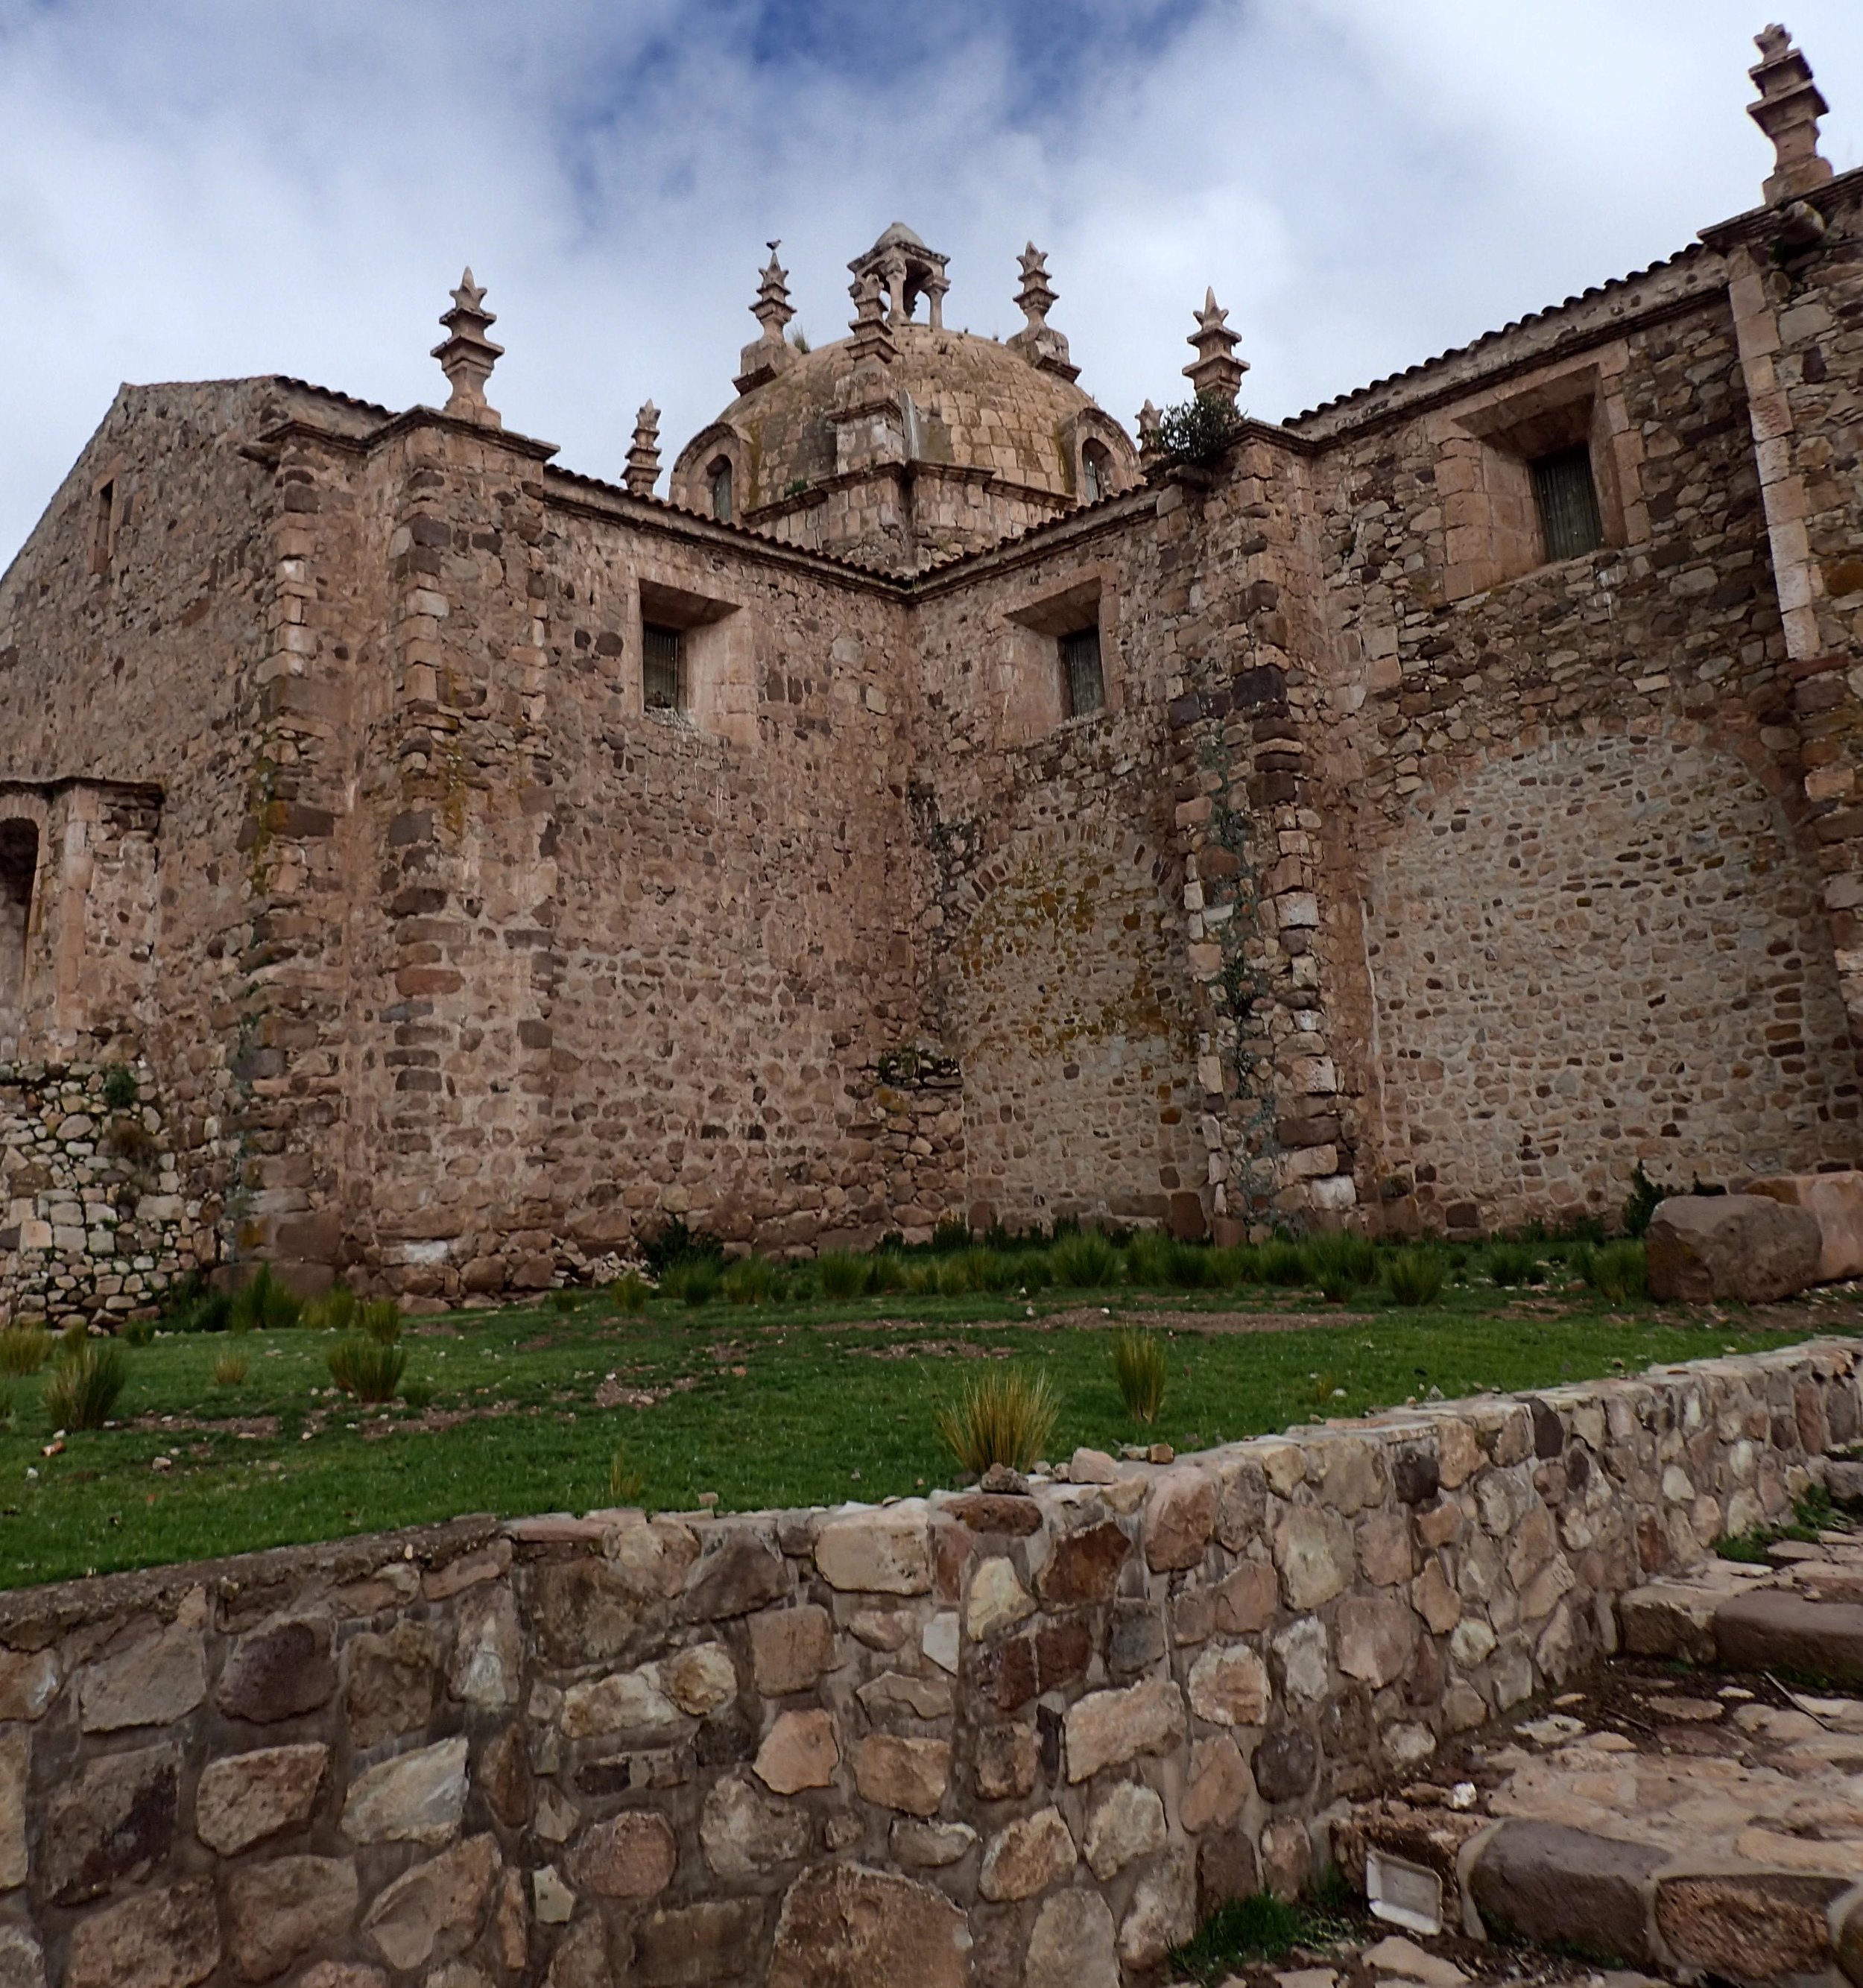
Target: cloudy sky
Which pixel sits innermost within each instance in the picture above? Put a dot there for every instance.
(191, 188)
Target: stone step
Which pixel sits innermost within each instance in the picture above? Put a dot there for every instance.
(1758, 1625)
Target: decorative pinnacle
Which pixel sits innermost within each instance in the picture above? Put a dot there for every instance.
(873, 337)
(1038, 341)
(772, 308)
(1216, 372)
(467, 356)
(1150, 437)
(643, 470)
(1789, 107)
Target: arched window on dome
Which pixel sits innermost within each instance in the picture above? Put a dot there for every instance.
(1096, 472)
(718, 480)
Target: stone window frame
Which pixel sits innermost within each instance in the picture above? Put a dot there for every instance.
(690, 484)
(1032, 674)
(716, 660)
(1486, 446)
(1093, 426)
(109, 515)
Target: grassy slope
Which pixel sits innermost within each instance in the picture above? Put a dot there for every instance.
(814, 1416)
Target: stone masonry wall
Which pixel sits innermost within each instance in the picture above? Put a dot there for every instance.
(95, 1222)
(977, 1740)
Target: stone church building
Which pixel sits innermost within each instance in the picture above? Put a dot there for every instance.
(939, 802)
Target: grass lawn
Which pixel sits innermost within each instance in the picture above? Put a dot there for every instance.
(788, 1404)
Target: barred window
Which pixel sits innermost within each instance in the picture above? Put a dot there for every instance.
(1567, 497)
(1083, 684)
(662, 688)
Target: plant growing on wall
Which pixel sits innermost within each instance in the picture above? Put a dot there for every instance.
(1198, 431)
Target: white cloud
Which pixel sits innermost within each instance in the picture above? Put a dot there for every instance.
(196, 187)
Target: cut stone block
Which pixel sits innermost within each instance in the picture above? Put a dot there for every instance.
(1773, 1628)
(1542, 1881)
(1835, 1202)
(1702, 1248)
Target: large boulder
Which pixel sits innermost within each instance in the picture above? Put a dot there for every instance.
(1835, 1201)
(1745, 1247)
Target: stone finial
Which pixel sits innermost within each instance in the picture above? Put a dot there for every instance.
(1789, 107)
(1216, 372)
(1150, 436)
(873, 336)
(643, 470)
(770, 352)
(1038, 341)
(467, 356)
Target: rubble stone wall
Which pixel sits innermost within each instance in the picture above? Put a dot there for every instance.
(1004, 1740)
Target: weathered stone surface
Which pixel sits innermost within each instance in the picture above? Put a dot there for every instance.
(29, 1682)
(114, 1822)
(629, 1702)
(245, 1797)
(744, 1573)
(909, 1775)
(341, 1974)
(843, 1926)
(488, 1651)
(1180, 1516)
(1091, 1466)
(1834, 1200)
(1220, 1784)
(22, 1964)
(1129, 1823)
(1754, 1926)
(1287, 1858)
(799, 1752)
(162, 1939)
(1774, 1629)
(1024, 1859)
(744, 1833)
(15, 1762)
(930, 1846)
(1313, 1550)
(390, 1686)
(1384, 1548)
(997, 1600)
(1107, 1728)
(1005, 1764)
(584, 1611)
(700, 1681)
(1244, 1601)
(416, 1797)
(1073, 1945)
(1700, 1248)
(1433, 1598)
(435, 1910)
(1163, 1913)
(278, 1912)
(633, 1855)
(152, 1683)
(884, 1551)
(1285, 1764)
(280, 1671)
(1377, 1637)
(913, 1697)
(791, 1649)
(1230, 1686)
(695, 1946)
(1083, 1566)
(1542, 1881)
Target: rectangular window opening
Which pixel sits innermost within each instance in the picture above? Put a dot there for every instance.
(1083, 681)
(661, 689)
(103, 527)
(1569, 520)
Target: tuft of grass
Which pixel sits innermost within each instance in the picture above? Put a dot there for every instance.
(1281, 1262)
(193, 1306)
(24, 1349)
(334, 1311)
(1512, 1264)
(628, 1294)
(73, 1340)
(84, 1386)
(264, 1304)
(1340, 1263)
(751, 1280)
(1002, 1417)
(418, 1394)
(1414, 1276)
(1617, 1272)
(366, 1368)
(230, 1370)
(380, 1318)
(842, 1274)
(694, 1280)
(626, 1485)
(1262, 1928)
(6, 1407)
(1142, 1367)
(138, 1331)
(1084, 1261)
(1148, 1259)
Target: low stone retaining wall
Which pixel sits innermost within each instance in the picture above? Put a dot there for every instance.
(1007, 1740)
(93, 1223)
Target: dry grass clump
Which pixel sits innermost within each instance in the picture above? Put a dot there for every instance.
(24, 1349)
(1142, 1367)
(230, 1370)
(85, 1385)
(1002, 1417)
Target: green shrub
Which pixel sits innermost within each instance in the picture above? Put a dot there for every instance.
(1147, 1259)
(333, 1310)
(119, 1086)
(1340, 1263)
(673, 1244)
(1617, 1272)
(418, 1394)
(564, 1301)
(952, 1233)
(230, 1370)
(138, 1331)
(695, 1281)
(1034, 1272)
(885, 1271)
(751, 1280)
(193, 1305)
(1190, 1267)
(1414, 1276)
(1231, 1269)
(628, 1294)
(919, 1279)
(1002, 1417)
(1512, 1264)
(380, 1318)
(24, 1349)
(842, 1274)
(366, 1368)
(1084, 1261)
(1198, 431)
(1141, 1366)
(263, 1304)
(84, 1386)
(1643, 1199)
(1281, 1262)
